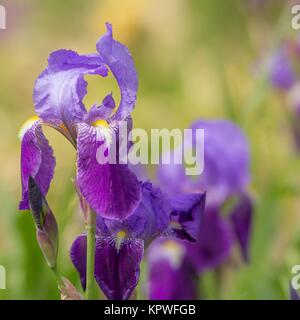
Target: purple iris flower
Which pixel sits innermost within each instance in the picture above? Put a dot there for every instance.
(111, 190)
(171, 275)
(120, 243)
(225, 178)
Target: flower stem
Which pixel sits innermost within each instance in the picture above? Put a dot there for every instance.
(57, 276)
(90, 259)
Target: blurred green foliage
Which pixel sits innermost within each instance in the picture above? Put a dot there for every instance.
(195, 59)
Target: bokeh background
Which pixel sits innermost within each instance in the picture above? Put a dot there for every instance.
(195, 59)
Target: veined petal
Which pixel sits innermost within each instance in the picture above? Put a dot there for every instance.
(37, 159)
(149, 220)
(112, 190)
(186, 213)
(241, 219)
(117, 57)
(78, 257)
(60, 88)
(117, 268)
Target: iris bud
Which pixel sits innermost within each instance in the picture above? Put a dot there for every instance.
(47, 230)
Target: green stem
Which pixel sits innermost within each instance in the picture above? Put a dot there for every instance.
(90, 259)
(57, 276)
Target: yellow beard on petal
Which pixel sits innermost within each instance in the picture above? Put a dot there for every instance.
(120, 236)
(175, 225)
(27, 125)
(104, 129)
(101, 123)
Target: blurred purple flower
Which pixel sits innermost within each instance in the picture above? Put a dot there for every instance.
(112, 190)
(226, 175)
(120, 243)
(171, 275)
(226, 164)
(282, 73)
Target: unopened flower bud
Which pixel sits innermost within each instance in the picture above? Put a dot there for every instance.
(47, 230)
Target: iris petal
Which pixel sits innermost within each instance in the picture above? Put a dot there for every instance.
(117, 269)
(117, 57)
(37, 160)
(241, 219)
(78, 257)
(60, 88)
(112, 190)
(171, 276)
(149, 220)
(187, 211)
(214, 242)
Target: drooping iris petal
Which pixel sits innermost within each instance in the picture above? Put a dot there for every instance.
(112, 190)
(37, 160)
(282, 74)
(60, 88)
(149, 220)
(171, 276)
(186, 213)
(117, 57)
(241, 219)
(78, 257)
(117, 266)
(214, 242)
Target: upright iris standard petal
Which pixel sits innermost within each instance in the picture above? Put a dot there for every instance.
(226, 158)
(37, 160)
(60, 88)
(112, 190)
(171, 276)
(117, 266)
(214, 242)
(241, 219)
(149, 220)
(78, 257)
(117, 57)
(186, 213)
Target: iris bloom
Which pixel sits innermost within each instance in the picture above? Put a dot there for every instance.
(111, 190)
(225, 179)
(120, 243)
